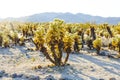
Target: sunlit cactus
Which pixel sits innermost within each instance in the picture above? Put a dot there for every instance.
(77, 42)
(14, 37)
(68, 44)
(88, 32)
(118, 44)
(97, 44)
(114, 43)
(21, 41)
(93, 35)
(6, 42)
(53, 41)
(38, 39)
(89, 42)
(109, 31)
(1, 39)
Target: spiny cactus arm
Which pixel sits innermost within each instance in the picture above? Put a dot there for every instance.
(109, 31)
(68, 50)
(44, 51)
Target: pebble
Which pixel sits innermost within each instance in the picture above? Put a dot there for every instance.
(50, 77)
(103, 53)
(112, 79)
(101, 79)
(14, 75)
(20, 75)
(2, 72)
(64, 79)
(34, 77)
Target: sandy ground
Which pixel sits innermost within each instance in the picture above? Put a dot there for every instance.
(83, 66)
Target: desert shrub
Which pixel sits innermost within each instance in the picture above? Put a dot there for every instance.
(97, 45)
(14, 37)
(89, 42)
(93, 35)
(38, 39)
(53, 41)
(1, 39)
(116, 43)
(109, 31)
(5, 41)
(22, 41)
(68, 44)
(77, 43)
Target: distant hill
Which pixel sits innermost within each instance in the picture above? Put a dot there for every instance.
(68, 17)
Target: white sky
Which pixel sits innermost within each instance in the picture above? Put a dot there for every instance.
(18, 8)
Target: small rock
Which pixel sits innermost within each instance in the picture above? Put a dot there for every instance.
(19, 75)
(34, 77)
(91, 66)
(103, 53)
(2, 72)
(6, 74)
(64, 79)
(25, 77)
(101, 79)
(112, 79)
(50, 77)
(92, 70)
(14, 75)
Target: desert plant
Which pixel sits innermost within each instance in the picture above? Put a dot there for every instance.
(1, 39)
(53, 41)
(89, 42)
(38, 39)
(109, 31)
(81, 33)
(14, 37)
(118, 44)
(68, 44)
(77, 43)
(93, 35)
(21, 41)
(5, 41)
(114, 43)
(24, 29)
(97, 44)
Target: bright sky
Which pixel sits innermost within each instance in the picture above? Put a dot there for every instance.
(19, 8)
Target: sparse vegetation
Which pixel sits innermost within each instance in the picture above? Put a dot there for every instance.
(57, 37)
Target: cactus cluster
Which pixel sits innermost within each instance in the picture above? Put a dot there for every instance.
(57, 37)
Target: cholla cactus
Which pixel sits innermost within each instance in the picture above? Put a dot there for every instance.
(25, 30)
(5, 41)
(21, 41)
(52, 41)
(114, 43)
(88, 32)
(93, 35)
(89, 42)
(118, 44)
(109, 31)
(68, 44)
(77, 42)
(14, 37)
(38, 39)
(1, 39)
(97, 45)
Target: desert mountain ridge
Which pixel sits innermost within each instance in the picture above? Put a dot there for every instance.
(67, 17)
